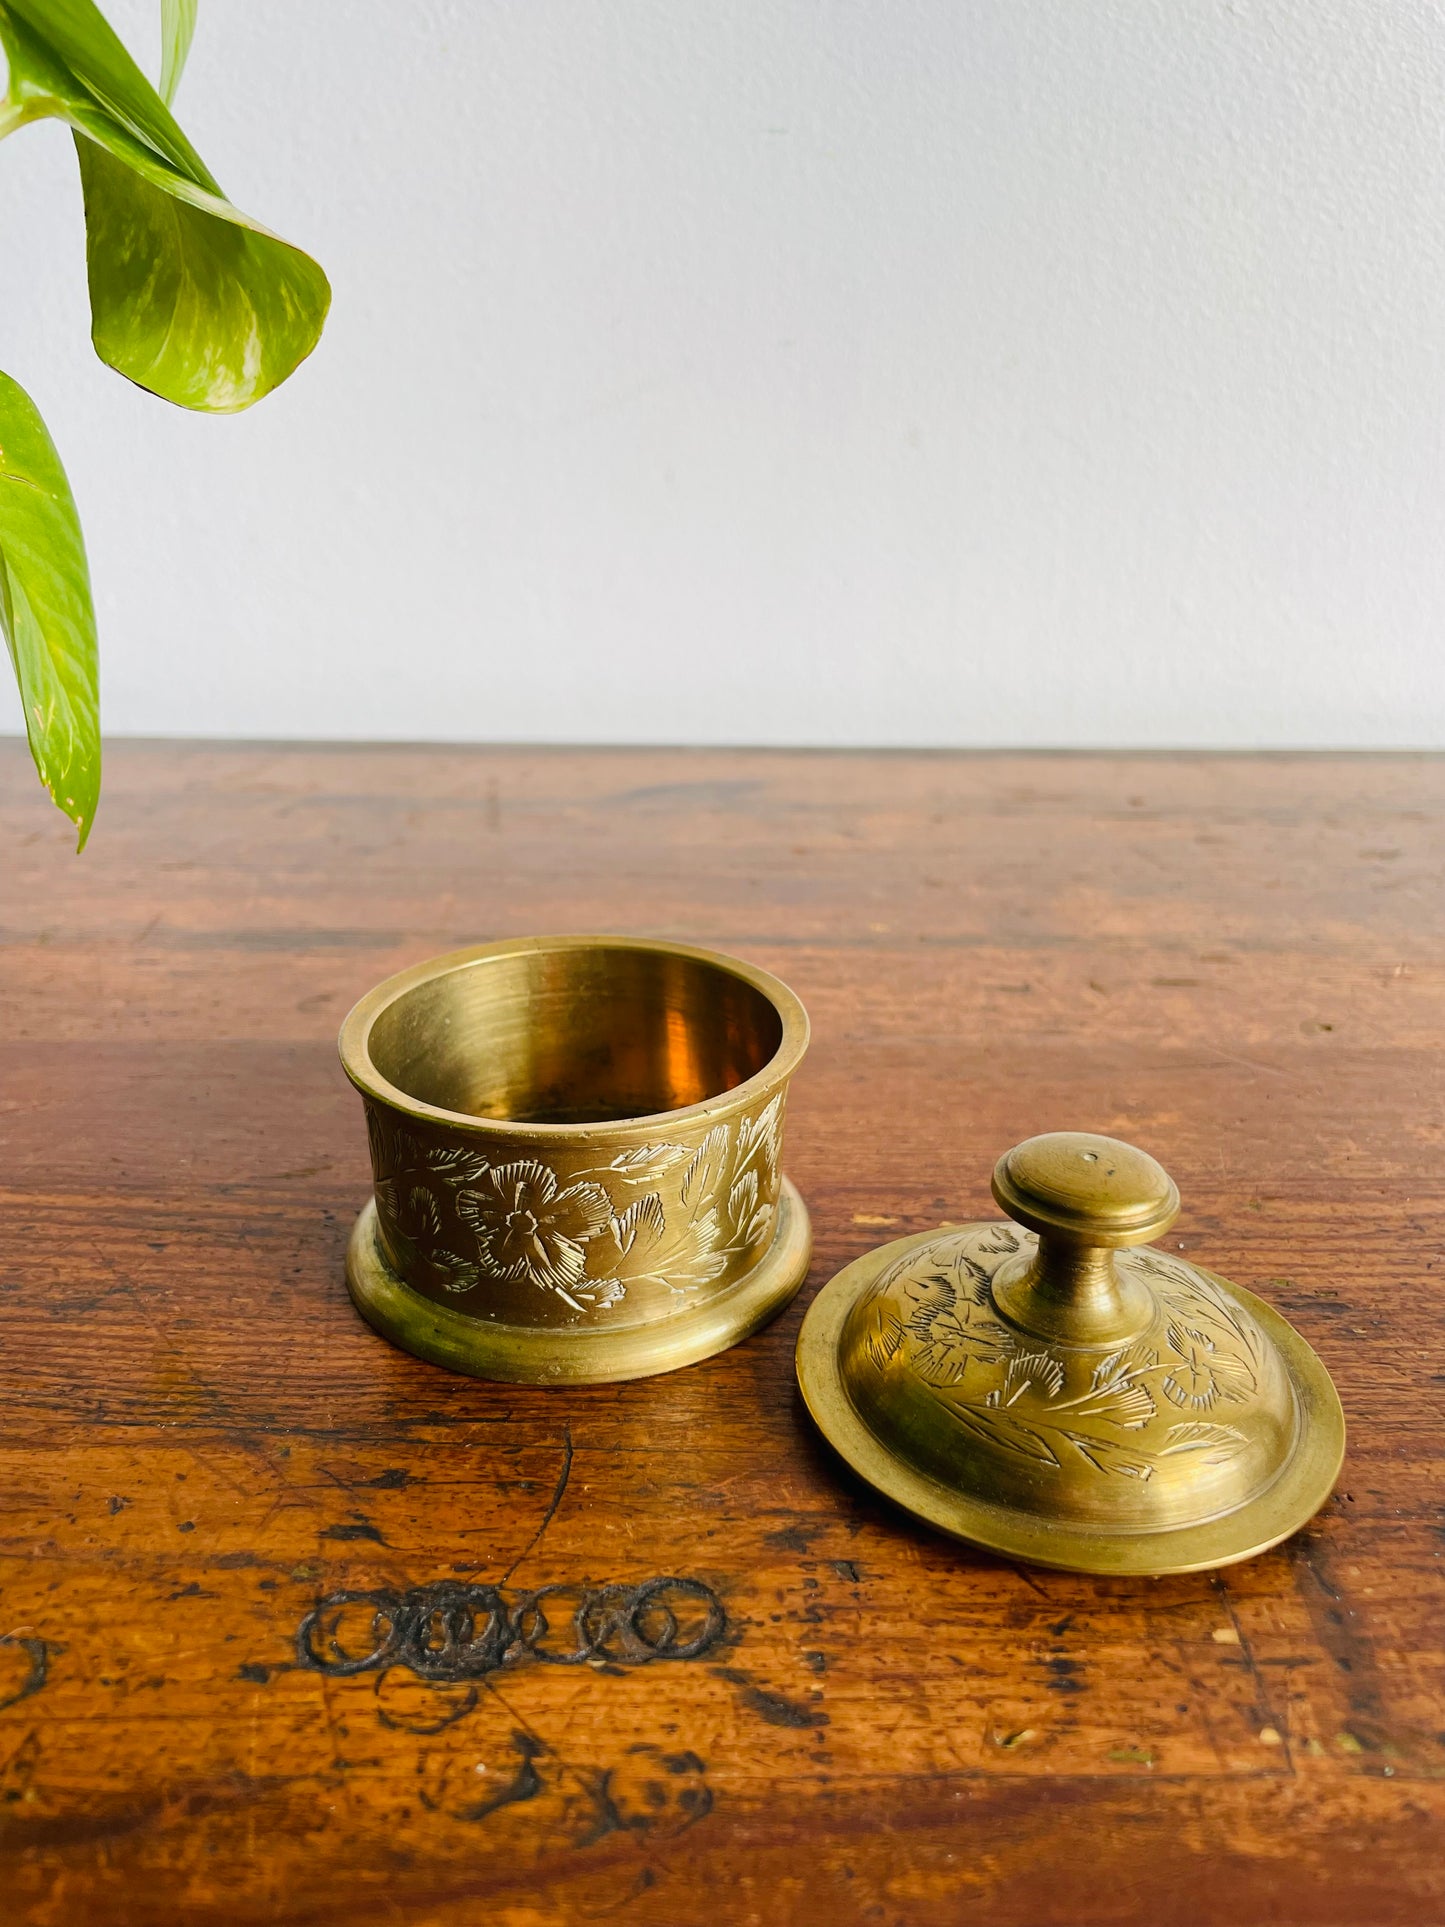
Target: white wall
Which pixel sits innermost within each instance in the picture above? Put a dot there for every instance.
(818, 371)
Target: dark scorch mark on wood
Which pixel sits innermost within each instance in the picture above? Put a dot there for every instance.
(773, 1707)
(525, 1783)
(1382, 1741)
(796, 1538)
(38, 1654)
(453, 1630)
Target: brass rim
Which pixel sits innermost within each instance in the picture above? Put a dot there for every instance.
(1287, 1503)
(599, 1356)
(354, 1040)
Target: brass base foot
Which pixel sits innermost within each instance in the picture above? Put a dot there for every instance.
(599, 1355)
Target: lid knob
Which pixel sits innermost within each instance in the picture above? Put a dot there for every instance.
(1086, 1197)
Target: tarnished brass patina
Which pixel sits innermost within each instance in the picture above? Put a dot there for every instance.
(1057, 1391)
(575, 1143)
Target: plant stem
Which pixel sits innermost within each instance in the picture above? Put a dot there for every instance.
(13, 114)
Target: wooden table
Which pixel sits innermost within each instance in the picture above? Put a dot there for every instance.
(1236, 962)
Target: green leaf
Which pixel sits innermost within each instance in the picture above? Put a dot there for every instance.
(209, 312)
(67, 60)
(45, 609)
(178, 24)
(189, 297)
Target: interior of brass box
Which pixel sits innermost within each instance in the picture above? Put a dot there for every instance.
(577, 1035)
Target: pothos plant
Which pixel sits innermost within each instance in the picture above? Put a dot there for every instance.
(189, 298)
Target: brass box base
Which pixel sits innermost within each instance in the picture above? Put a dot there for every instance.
(529, 1356)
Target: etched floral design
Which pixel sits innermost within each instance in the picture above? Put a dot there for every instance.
(941, 1313)
(412, 1221)
(933, 1315)
(527, 1227)
(588, 1236)
(640, 1245)
(1202, 1373)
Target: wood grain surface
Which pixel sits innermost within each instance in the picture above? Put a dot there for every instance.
(1236, 962)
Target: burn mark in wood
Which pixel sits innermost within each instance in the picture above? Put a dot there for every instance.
(1379, 1742)
(405, 1704)
(773, 1707)
(454, 1630)
(525, 1784)
(1062, 1674)
(645, 1792)
(38, 1653)
(633, 1797)
(793, 1538)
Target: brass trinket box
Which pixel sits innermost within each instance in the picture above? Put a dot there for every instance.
(575, 1145)
(1059, 1392)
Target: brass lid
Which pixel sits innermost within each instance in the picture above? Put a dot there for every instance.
(1058, 1395)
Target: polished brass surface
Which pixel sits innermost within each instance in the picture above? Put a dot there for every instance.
(1047, 1390)
(575, 1149)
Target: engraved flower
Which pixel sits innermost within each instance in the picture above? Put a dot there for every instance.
(526, 1228)
(1202, 1373)
(947, 1330)
(411, 1230)
(641, 1246)
(930, 1294)
(408, 1212)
